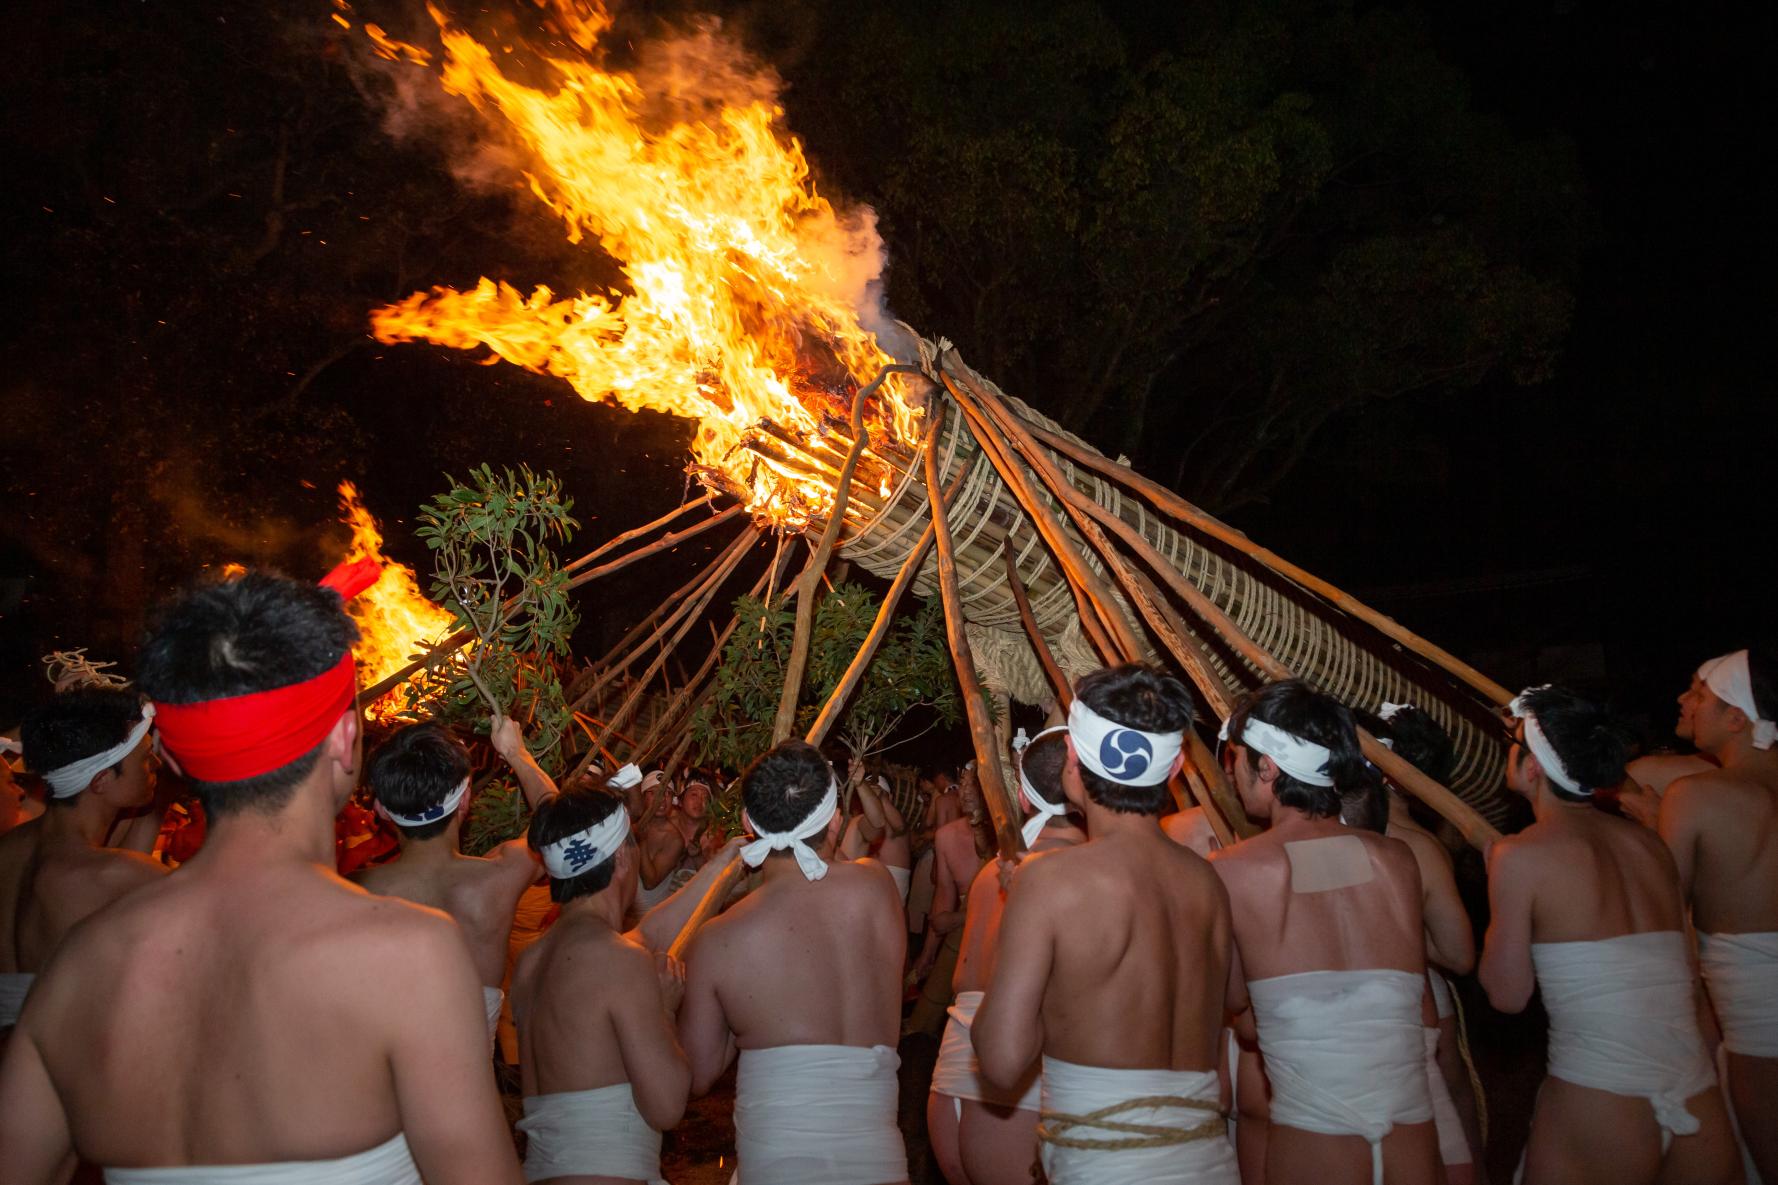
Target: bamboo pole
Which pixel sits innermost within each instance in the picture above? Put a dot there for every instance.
(910, 567)
(664, 543)
(981, 724)
(1046, 657)
(638, 532)
(1172, 504)
(810, 580)
(709, 905)
(1465, 817)
(1140, 592)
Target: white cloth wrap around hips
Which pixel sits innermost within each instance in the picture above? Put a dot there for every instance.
(1303, 760)
(572, 855)
(68, 780)
(431, 814)
(1539, 744)
(389, 1163)
(1046, 810)
(1118, 753)
(1730, 679)
(813, 866)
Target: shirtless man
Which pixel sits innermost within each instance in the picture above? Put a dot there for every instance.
(1722, 827)
(960, 848)
(1190, 828)
(981, 1134)
(1587, 907)
(879, 830)
(256, 1011)
(670, 842)
(803, 978)
(92, 749)
(602, 1069)
(1329, 932)
(1114, 958)
(1450, 939)
(946, 805)
(420, 777)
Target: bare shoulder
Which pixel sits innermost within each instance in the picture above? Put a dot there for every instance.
(17, 845)
(1716, 793)
(1248, 857)
(1393, 853)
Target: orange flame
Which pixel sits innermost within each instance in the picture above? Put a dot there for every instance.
(395, 620)
(746, 286)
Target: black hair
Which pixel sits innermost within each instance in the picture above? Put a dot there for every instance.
(1042, 763)
(1762, 674)
(1141, 697)
(414, 770)
(76, 724)
(255, 633)
(1418, 740)
(1294, 707)
(563, 815)
(1592, 743)
(783, 785)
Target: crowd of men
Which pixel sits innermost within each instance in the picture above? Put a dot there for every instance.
(1129, 994)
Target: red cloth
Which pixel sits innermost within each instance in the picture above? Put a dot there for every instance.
(352, 578)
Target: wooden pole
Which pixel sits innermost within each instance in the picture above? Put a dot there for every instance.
(1045, 657)
(1172, 504)
(975, 703)
(708, 907)
(910, 567)
(664, 543)
(619, 540)
(810, 580)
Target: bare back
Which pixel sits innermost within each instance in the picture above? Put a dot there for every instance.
(986, 904)
(1593, 876)
(1374, 924)
(1140, 951)
(47, 888)
(801, 962)
(1723, 828)
(266, 1014)
(480, 894)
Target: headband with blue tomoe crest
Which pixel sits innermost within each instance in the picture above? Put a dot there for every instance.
(431, 814)
(1539, 744)
(1118, 753)
(1046, 810)
(572, 855)
(1303, 760)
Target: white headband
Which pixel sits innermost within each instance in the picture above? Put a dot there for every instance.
(628, 774)
(1118, 753)
(431, 814)
(1540, 746)
(1730, 679)
(813, 866)
(1045, 809)
(74, 777)
(572, 855)
(1303, 760)
(1390, 711)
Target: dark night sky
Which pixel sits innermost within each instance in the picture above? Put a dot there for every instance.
(1611, 526)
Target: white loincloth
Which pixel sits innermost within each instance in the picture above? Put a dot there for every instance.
(14, 985)
(1622, 1020)
(1441, 993)
(1345, 1052)
(389, 1163)
(1453, 1143)
(904, 880)
(1070, 1089)
(818, 1115)
(492, 999)
(590, 1133)
(1741, 971)
(958, 1074)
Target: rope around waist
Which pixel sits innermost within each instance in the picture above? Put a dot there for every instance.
(1053, 1125)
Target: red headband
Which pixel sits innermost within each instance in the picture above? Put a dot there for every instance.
(243, 736)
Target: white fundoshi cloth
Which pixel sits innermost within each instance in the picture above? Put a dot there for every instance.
(1071, 1089)
(492, 999)
(1453, 1143)
(818, 1115)
(903, 878)
(958, 1073)
(1345, 1052)
(1441, 993)
(1741, 971)
(590, 1133)
(1622, 1020)
(13, 987)
(389, 1163)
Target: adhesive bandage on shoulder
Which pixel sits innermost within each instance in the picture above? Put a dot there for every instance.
(1333, 862)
